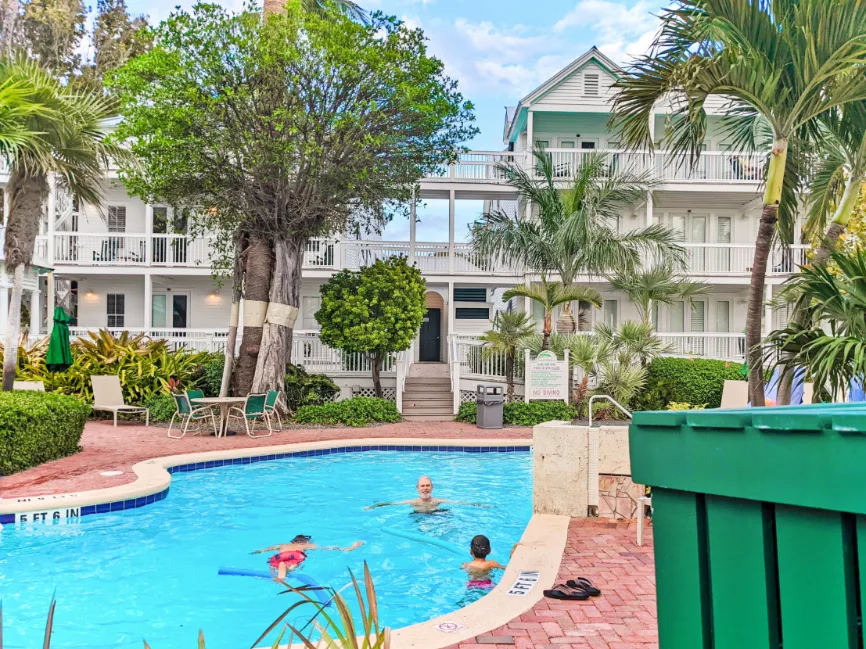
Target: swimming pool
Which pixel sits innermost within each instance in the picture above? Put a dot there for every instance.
(151, 573)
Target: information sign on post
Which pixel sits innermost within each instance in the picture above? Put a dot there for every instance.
(546, 377)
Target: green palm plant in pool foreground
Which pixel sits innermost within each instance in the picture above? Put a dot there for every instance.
(334, 631)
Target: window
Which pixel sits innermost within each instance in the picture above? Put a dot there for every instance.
(655, 316)
(678, 315)
(116, 310)
(470, 295)
(723, 316)
(587, 144)
(610, 312)
(158, 310)
(724, 229)
(117, 218)
(160, 220)
(698, 309)
(590, 85)
(309, 306)
(465, 313)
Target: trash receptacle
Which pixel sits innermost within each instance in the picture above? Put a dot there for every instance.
(755, 512)
(490, 402)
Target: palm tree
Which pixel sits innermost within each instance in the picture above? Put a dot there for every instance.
(780, 64)
(632, 341)
(70, 144)
(832, 357)
(575, 231)
(657, 285)
(509, 328)
(550, 295)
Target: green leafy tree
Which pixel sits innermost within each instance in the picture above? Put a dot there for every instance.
(783, 64)
(316, 124)
(575, 230)
(375, 311)
(647, 287)
(71, 144)
(509, 329)
(550, 295)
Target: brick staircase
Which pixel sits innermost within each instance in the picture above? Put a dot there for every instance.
(428, 398)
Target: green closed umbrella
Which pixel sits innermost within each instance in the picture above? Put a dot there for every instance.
(59, 356)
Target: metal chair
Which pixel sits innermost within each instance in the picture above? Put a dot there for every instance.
(642, 503)
(254, 410)
(271, 406)
(190, 416)
(194, 394)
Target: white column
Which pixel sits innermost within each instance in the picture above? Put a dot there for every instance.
(4, 307)
(52, 224)
(450, 308)
(451, 208)
(649, 209)
(412, 218)
(148, 302)
(768, 310)
(148, 234)
(35, 313)
(49, 297)
(530, 141)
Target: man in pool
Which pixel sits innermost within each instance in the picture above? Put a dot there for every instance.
(290, 556)
(425, 503)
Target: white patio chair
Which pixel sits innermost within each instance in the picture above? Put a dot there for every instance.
(37, 386)
(108, 396)
(190, 416)
(735, 394)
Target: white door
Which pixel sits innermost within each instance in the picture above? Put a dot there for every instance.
(723, 236)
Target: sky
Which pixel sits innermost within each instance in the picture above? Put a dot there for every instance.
(499, 51)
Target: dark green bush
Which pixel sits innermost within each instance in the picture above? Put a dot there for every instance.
(212, 376)
(519, 413)
(304, 389)
(161, 406)
(358, 411)
(37, 427)
(687, 380)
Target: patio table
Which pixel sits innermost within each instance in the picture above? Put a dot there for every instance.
(224, 403)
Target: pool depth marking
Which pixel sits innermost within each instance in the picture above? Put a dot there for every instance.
(524, 583)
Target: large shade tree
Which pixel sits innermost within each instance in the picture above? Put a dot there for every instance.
(781, 63)
(573, 231)
(69, 146)
(316, 124)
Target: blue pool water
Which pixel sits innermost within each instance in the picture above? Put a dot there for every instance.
(151, 573)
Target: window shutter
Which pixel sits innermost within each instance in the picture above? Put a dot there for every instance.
(470, 295)
(723, 316)
(724, 229)
(590, 85)
(698, 316)
(117, 218)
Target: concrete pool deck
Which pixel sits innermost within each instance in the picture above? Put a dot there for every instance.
(558, 549)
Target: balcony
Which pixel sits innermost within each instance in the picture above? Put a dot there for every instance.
(713, 166)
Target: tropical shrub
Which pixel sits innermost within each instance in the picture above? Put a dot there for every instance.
(675, 405)
(162, 407)
(690, 380)
(358, 411)
(303, 389)
(144, 366)
(520, 413)
(37, 427)
(212, 375)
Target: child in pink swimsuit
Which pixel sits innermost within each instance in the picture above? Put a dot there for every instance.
(290, 556)
(480, 567)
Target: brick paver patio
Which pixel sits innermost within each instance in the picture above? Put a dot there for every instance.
(624, 617)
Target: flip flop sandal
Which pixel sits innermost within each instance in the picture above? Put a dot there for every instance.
(561, 591)
(585, 585)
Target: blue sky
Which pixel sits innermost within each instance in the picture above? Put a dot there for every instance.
(498, 50)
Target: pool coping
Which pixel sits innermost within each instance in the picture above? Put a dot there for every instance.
(153, 476)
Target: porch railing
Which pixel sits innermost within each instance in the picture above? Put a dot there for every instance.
(199, 340)
(309, 350)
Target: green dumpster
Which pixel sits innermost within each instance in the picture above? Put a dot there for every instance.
(759, 524)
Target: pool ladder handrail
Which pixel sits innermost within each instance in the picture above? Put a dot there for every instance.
(612, 400)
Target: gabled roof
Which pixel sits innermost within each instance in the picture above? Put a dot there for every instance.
(519, 115)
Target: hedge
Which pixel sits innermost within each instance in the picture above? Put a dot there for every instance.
(519, 413)
(37, 427)
(358, 411)
(696, 381)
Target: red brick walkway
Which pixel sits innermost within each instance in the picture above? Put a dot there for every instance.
(105, 448)
(624, 617)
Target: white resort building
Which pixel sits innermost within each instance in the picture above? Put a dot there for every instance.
(132, 268)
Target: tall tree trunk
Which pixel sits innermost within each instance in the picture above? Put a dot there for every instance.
(257, 284)
(9, 31)
(285, 297)
(13, 330)
(509, 374)
(377, 370)
(763, 243)
(841, 218)
(27, 194)
(231, 338)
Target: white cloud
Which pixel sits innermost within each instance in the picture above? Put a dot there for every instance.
(621, 32)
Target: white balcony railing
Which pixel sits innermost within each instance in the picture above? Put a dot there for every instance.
(180, 250)
(309, 350)
(712, 166)
(737, 259)
(724, 346)
(109, 249)
(199, 340)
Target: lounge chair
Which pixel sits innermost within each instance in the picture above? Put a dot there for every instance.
(254, 410)
(38, 386)
(735, 394)
(108, 396)
(189, 416)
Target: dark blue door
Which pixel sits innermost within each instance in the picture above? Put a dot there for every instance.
(428, 349)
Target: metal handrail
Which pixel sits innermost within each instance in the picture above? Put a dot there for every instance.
(612, 400)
